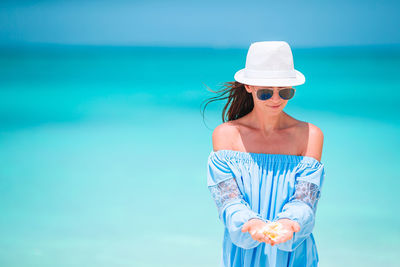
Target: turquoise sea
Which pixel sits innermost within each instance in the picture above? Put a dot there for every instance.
(103, 153)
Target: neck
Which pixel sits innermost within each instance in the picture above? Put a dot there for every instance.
(267, 122)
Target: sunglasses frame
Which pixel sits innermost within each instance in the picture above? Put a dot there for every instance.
(271, 93)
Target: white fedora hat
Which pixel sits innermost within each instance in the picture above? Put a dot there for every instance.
(269, 63)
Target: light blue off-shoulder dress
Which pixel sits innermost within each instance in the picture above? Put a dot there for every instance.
(247, 185)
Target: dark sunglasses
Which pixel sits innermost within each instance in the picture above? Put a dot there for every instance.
(265, 94)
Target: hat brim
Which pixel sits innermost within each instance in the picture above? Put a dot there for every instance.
(298, 80)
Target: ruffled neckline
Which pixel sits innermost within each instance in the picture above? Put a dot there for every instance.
(252, 156)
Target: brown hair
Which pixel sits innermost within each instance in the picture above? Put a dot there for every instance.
(239, 102)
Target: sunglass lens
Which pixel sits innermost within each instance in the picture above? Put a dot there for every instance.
(264, 94)
(286, 93)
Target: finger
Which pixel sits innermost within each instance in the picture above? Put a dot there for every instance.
(268, 240)
(272, 242)
(259, 237)
(289, 236)
(265, 240)
(296, 226)
(285, 238)
(280, 239)
(245, 227)
(276, 241)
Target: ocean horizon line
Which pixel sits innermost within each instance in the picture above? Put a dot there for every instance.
(27, 45)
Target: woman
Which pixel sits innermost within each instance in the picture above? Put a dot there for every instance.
(265, 168)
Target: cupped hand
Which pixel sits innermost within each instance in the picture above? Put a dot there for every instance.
(255, 228)
(289, 227)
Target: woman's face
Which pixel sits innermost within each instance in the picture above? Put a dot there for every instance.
(274, 104)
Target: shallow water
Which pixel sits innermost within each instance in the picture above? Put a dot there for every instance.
(104, 151)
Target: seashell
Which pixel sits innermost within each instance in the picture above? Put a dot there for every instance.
(273, 230)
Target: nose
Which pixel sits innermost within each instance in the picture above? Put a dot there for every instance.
(275, 97)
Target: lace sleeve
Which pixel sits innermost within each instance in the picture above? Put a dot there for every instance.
(224, 192)
(308, 193)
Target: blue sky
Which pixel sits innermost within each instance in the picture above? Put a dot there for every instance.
(200, 23)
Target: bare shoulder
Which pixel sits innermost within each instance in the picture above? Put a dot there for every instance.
(224, 135)
(315, 142)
